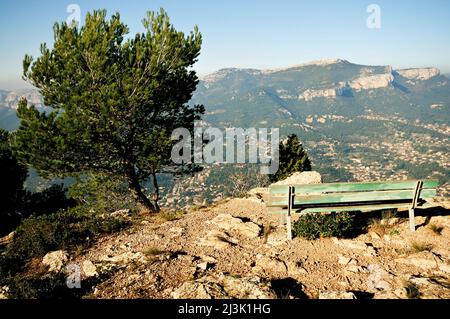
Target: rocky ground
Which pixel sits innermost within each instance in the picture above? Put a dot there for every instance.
(236, 249)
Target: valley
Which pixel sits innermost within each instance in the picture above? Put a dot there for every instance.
(357, 122)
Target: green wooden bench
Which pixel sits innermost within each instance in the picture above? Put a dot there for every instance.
(340, 197)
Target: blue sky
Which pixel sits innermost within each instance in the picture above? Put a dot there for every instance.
(254, 33)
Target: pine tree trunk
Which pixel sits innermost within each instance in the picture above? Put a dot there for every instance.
(156, 192)
(144, 204)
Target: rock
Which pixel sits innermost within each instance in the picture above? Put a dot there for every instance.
(425, 263)
(277, 237)
(295, 269)
(423, 260)
(355, 269)
(419, 280)
(230, 223)
(217, 239)
(336, 295)
(350, 244)
(4, 292)
(302, 178)
(89, 269)
(382, 285)
(342, 260)
(261, 193)
(209, 259)
(372, 82)
(310, 94)
(419, 74)
(121, 213)
(401, 293)
(374, 235)
(7, 239)
(175, 232)
(205, 265)
(125, 258)
(224, 287)
(385, 295)
(55, 260)
(270, 265)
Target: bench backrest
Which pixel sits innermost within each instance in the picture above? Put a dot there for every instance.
(351, 196)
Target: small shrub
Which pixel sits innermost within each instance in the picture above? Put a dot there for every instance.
(64, 230)
(417, 247)
(378, 227)
(267, 230)
(172, 215)
(412, 291)
(436, 229)
(312, 226)
(152, 251)
(394, 232)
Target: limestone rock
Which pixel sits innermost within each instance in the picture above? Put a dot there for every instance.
(7, 239)
(277, 237)
(310, 94)
(217, 239)
(121, 213)
(125, 258)
(295, 269)
(55, 260)
(230, 223)
(261, 193)
(224, 287)
(350, 244)
(270, 265)
(336, 295)
(372, 82)
(419, 73)
(342, 260)
(301, 178)
(423, 260)
(89, 269)
(4, 292)
(175, 232)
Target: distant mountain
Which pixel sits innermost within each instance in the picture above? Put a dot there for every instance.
(251, 97)
(357, 122)
(10, 99)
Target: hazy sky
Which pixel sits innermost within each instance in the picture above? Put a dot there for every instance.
(254, 33)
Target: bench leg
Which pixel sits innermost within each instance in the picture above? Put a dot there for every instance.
(288, 227)
(412, 224)
(283, 219)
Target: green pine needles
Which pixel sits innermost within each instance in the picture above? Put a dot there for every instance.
(114, 100)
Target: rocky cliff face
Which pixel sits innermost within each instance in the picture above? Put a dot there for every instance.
(310, 94)
(11, 99)
(372, 82)
(419, 74)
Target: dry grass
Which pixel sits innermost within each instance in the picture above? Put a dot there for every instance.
(417, 247)
(267, 230)
(166, 216)
(412, 291)
(152, 253)
(436, 229)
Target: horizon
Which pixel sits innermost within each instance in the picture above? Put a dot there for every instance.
(28, 87)
(255, 34)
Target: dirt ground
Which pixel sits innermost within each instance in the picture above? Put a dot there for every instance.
(238, 238)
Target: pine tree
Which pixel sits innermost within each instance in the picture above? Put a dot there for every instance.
(293, 158)
(113, 100)
(12, 177)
